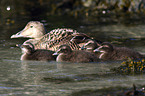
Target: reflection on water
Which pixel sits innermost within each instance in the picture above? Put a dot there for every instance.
(56, 79)
(122, 31)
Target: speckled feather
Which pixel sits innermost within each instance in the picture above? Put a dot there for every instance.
(55, 38)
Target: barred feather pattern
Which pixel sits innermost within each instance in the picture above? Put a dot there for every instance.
(57, 34)
(55, 38)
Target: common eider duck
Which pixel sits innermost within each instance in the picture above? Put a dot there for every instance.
(29, 53)
(51, 41)
(66, 54)
(110, 52)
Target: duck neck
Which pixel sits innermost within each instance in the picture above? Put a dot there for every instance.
(40, 35)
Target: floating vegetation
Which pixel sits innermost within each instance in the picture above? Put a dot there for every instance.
(131, 66)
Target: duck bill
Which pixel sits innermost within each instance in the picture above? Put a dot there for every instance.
(18, 35)
(96, 50)
(22, 34)
(55, 53)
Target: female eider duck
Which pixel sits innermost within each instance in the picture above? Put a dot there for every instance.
(110, 52)
(66, 54)
(51, 41)
(29, 53)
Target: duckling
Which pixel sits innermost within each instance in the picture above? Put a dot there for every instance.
(66, 54)
(90, 45)
(51, 41)
(110, 52)
(80, 38)
(29, 53)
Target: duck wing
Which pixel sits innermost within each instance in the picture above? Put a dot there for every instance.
(55, 38)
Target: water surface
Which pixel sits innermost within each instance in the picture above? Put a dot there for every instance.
(34, 78)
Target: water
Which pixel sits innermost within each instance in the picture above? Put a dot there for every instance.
(35, 78)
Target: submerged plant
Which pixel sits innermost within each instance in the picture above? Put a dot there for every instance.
(131, 66)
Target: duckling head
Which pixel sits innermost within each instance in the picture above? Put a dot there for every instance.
(28, 48)
(34, 29)
(63, 49)
(105, 48)
(79, 38)
(90, 45)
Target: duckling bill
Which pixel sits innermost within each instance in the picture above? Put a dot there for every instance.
(66, 54)
(29, 53)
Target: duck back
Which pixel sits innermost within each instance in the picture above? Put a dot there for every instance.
(78, 56)
(122, 53)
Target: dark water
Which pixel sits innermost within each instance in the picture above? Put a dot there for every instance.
(34, 78)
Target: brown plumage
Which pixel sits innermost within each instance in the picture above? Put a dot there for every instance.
(90, 45)
(110, 52)
(29, 53)
(66, 54)
(80, 39)
(52, 40)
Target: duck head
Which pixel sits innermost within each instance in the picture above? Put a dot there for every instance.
(90, 45)
(63, 49)
(34, 29)
(105, 48)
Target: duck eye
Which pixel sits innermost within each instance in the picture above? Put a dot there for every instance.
(31, 26)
